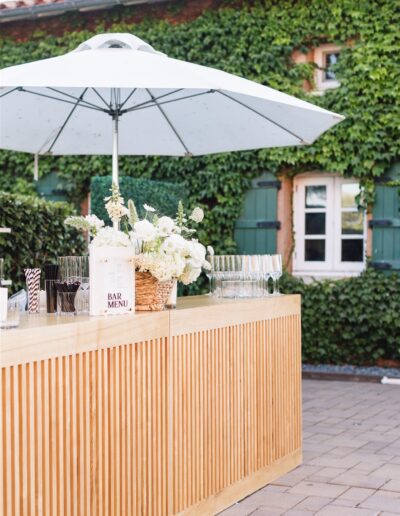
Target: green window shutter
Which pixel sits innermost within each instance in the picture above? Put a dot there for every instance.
(256, 229)
(52, 188)
(385, 226)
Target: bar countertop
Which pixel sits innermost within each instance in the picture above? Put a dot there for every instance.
(42, 336)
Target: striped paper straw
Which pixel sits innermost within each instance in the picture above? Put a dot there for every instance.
(33, 284)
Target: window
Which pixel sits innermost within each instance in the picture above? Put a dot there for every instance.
(329, 228)
(326, 57)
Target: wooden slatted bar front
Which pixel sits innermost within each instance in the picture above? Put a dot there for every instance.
(180, 412)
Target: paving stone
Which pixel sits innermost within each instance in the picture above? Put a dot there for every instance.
(384, 501)
(318, 489)
(343, 503)
(313, 503)
(336, 510)
(262, 511)
(273, 500)
(392, 485)
(391, 471)
(295, 512)
(236, 510)
(356, 494)
(357, 479)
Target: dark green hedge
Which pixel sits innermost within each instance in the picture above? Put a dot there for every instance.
(159, 194)
(38, 234)
(349, 321)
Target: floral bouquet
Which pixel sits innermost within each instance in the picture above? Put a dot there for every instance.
(165, 247)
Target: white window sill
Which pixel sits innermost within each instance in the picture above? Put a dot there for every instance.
(309, 276)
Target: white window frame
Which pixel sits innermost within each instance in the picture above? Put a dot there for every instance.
(332, 266)
(319, 58)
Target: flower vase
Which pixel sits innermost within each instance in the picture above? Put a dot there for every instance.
(171, 301)
(151, 294)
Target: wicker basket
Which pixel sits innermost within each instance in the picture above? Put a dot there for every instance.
(150, 293)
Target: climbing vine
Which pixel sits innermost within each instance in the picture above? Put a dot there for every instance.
(254, 39)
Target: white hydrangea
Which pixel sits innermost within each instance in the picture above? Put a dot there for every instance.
(145, 231)
(190, 274)
(165, 226)
(197, 215)
(162, 267)
(174, 244)
(111, 237)
(197, 252)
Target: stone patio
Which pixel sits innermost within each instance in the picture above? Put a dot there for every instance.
(351, 449)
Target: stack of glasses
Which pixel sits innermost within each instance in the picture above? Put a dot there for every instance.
(73, 285)
(245, 276)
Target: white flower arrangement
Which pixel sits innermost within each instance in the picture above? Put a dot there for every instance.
(164, 246)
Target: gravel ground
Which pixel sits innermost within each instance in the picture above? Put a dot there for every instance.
(349, 369)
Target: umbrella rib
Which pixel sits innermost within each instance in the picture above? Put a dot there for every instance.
(153, 103)
(67, 120)
(301, 140)
(169, 122)
(8, 92)
(73, 97)
(127, 98)
(60, 100)
(101, 97)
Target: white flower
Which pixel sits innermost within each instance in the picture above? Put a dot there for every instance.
(148, 208)
(197, 215)
(95, 224)
(115, 204)
(190, 274)
(210, 250)
(161, 266)
(165, 226)
(174, 244)
(145, 231)
(111, 237)
(197, 252)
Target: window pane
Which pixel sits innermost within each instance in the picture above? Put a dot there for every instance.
(315, 196)
(349, 193)
(352, 250)
(352, 223)
(314, 250)
(331, 58)
(315, 223)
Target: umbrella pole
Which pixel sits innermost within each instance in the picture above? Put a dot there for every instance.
(115, 171)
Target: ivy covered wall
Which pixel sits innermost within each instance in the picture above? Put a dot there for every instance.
(254, 39)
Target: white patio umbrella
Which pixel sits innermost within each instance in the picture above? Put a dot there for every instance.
(115, 95)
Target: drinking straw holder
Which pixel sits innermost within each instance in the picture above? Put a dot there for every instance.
(66, 297)
(33, 287)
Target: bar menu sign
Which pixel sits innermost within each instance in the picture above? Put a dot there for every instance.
(112, 280)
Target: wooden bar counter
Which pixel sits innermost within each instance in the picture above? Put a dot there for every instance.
(162, 413)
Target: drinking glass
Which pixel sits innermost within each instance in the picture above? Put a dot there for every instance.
(210, 273)
(276, 273)
(82, 296)
(76, 267)
(266, 265)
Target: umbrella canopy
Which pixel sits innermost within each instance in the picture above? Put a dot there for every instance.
(117, 84)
